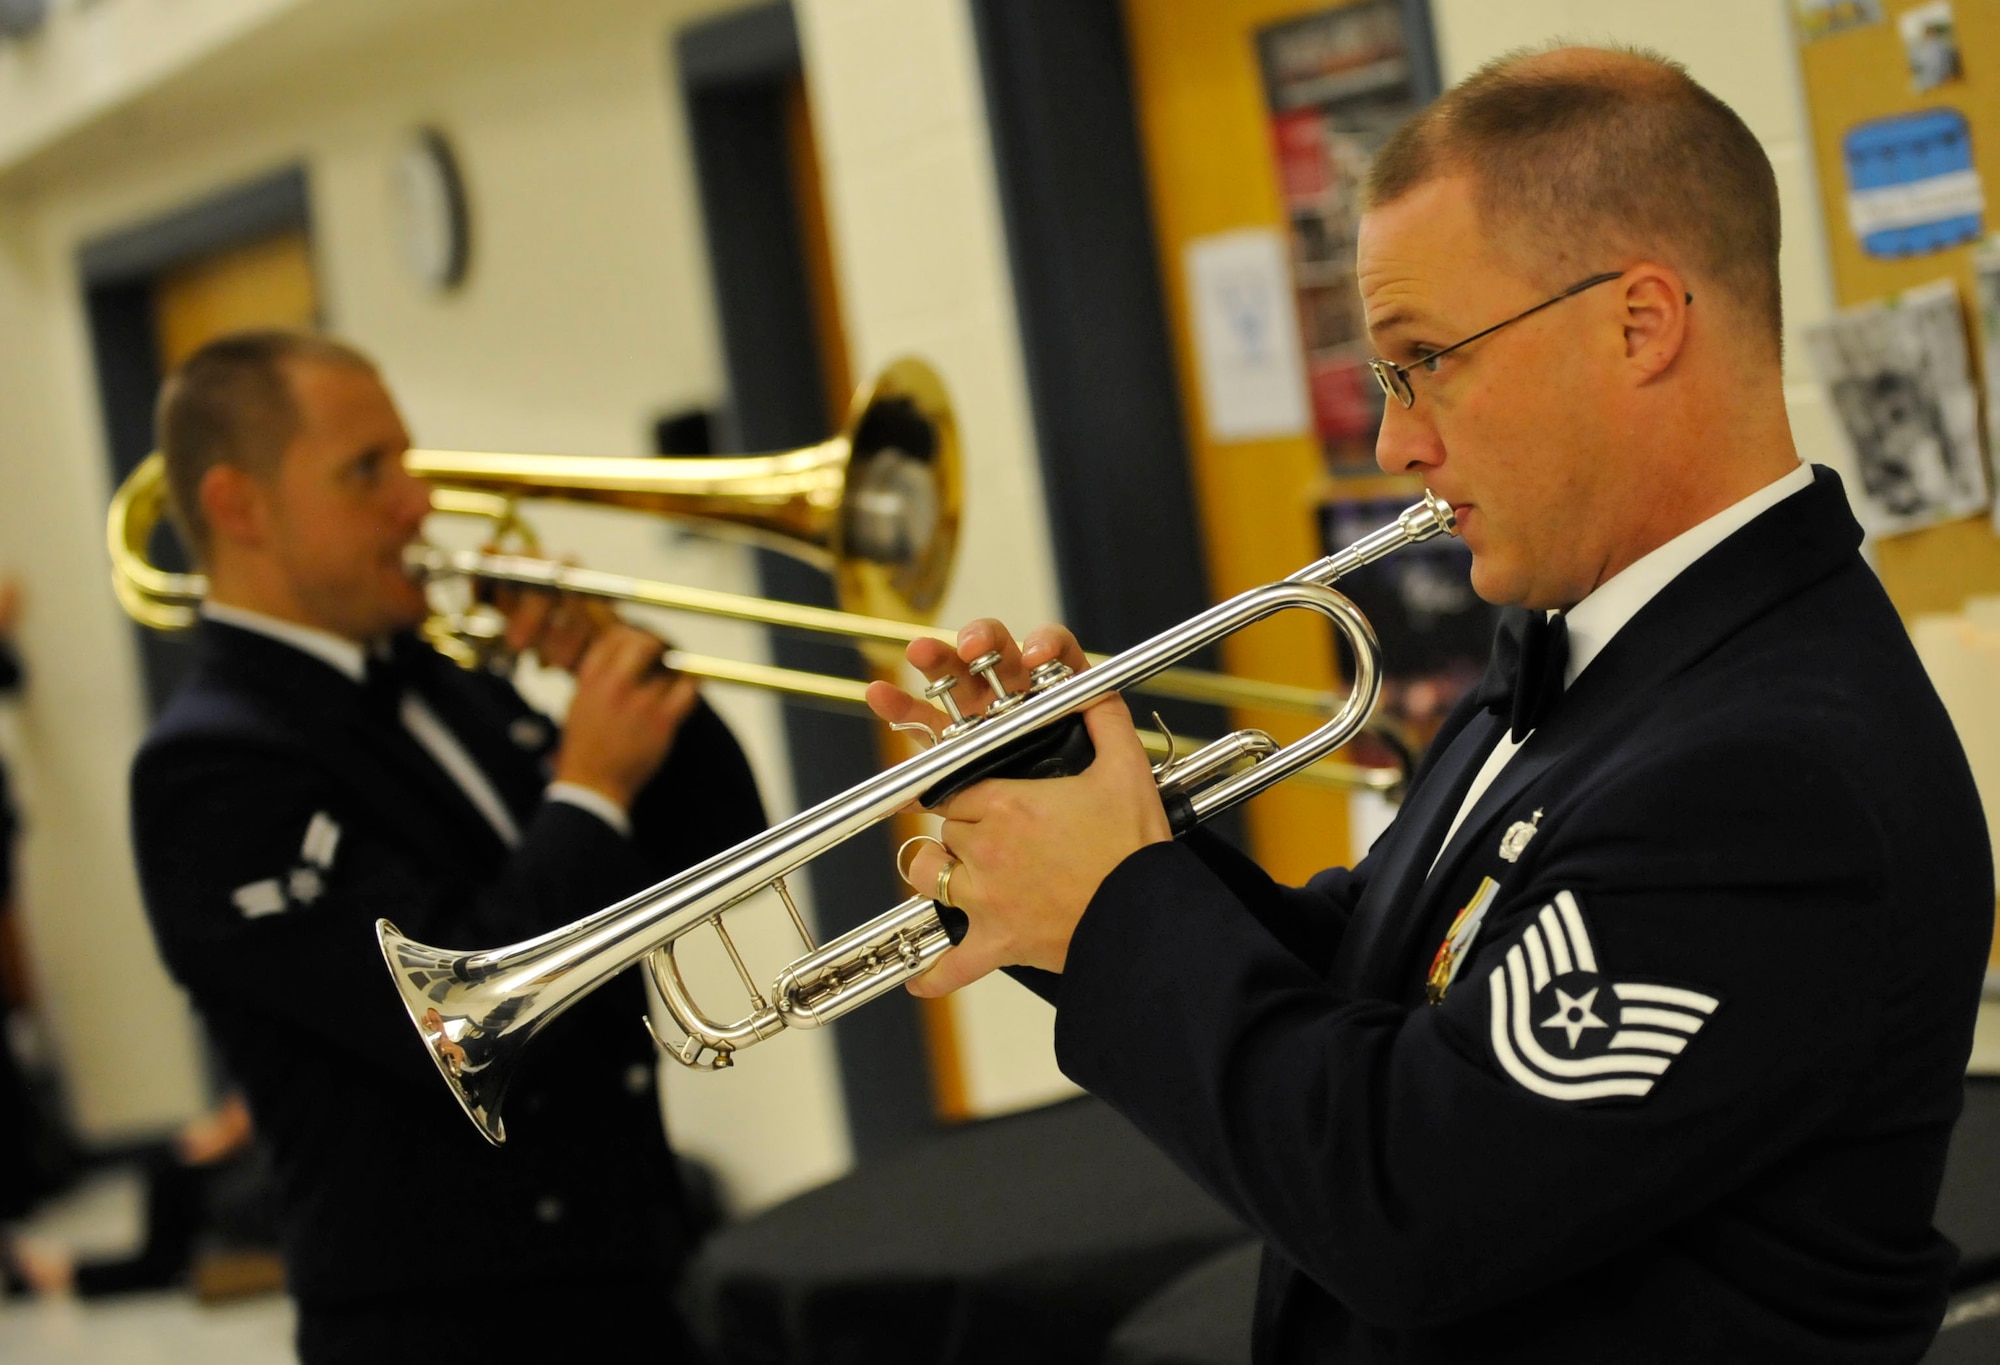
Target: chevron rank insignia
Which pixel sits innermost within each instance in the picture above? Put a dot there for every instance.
(1567, 1032)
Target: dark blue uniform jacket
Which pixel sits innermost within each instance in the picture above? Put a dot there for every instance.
(1688, 1095)
(275, 818)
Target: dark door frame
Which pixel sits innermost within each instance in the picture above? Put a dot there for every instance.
(1094, 328)
(117, 270)
(734, 74)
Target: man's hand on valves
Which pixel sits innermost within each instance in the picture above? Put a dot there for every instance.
(1028, 855)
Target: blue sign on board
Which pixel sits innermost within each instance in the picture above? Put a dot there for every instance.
(1911, 186)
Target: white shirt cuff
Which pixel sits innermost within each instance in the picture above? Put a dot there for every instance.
(596, 802)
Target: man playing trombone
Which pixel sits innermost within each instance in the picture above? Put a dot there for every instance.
(1639, 1036)
(322, 767)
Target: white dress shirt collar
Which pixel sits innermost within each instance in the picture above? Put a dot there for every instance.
(343, 654)
(1593, 621)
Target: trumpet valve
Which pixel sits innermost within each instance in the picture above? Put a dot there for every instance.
(987, 669)
(1048, 675)
(940, 692)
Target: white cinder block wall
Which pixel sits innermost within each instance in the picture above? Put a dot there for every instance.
(119, 1030)
(921, 254)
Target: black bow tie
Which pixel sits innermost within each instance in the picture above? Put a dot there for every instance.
(1524, 677)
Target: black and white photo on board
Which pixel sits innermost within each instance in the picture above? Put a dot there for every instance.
(1899, 377)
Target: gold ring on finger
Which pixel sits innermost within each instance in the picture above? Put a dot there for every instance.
(943, 895)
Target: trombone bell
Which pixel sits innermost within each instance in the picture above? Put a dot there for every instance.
(877, 506)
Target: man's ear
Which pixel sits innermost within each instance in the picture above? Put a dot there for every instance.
(236, 505)
(1655, 303)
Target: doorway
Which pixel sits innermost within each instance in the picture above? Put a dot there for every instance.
(157, 291)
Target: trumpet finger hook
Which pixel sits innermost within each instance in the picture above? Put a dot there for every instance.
(902, 870)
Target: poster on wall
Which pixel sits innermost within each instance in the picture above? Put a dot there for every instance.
(1930, 42)
(1899, 377)
(1246, 337)
(1986, 299)
(1336, 84)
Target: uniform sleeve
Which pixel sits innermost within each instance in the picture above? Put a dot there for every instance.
(263, 885)
(1422, 1164)
(1307, 920)
(1310, 920)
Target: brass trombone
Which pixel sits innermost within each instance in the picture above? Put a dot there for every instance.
(475, 1010)
(877, 505)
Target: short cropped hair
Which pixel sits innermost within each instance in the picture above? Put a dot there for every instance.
(1593, 159)
(231, 403)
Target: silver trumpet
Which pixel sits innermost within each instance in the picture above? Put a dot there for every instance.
(476, 1010)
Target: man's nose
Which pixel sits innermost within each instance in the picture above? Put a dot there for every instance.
(1406, 443)
(412, 496)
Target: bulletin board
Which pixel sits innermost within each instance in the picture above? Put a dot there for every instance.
(1873, 67)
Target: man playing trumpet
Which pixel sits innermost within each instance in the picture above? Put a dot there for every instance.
(1640, 1034)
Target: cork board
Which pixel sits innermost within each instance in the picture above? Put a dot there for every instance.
(1857, 76)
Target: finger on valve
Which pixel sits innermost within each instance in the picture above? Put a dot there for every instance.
(1053, 642)
(987, 651)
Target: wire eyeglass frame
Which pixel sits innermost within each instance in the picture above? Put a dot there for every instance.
(1395, 379)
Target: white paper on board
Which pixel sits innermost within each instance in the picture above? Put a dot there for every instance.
(1246, 334)
(1898, 376)
(1986, 301)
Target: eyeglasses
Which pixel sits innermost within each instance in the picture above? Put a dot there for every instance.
(1395, 379)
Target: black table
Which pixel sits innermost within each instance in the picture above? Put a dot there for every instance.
(1969, 1201)
(1025, 1238)
(1201, 1317)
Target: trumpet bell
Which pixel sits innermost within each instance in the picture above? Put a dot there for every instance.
(464, 1025)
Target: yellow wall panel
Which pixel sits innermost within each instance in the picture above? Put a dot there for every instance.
(264, 284)
(1204, 131)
